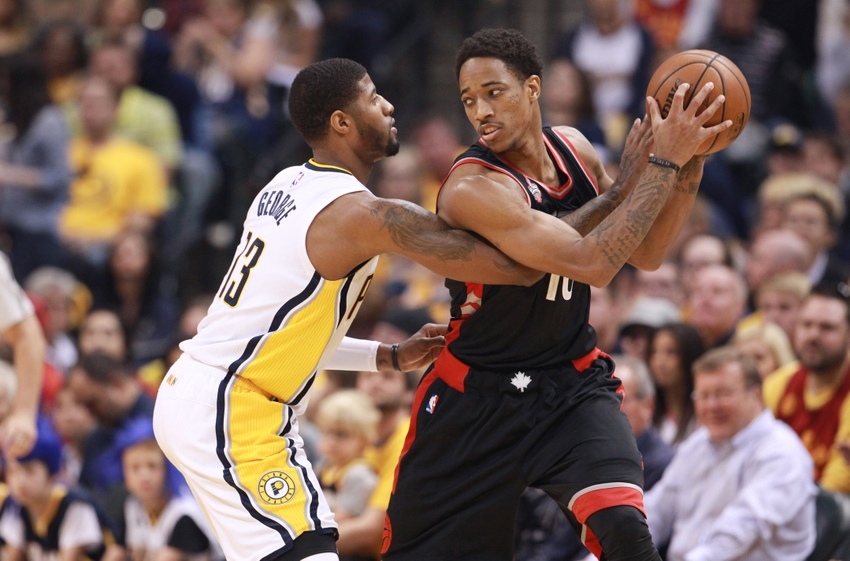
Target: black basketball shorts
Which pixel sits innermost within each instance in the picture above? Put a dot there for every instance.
(478, 439)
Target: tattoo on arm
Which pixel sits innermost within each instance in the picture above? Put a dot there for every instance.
(689, 178)
(419, 231)
(639, 212)
(593, 212)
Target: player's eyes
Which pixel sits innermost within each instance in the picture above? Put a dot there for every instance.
(494, 93)
(467, 102)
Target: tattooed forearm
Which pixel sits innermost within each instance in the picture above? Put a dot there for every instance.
(415, 229)
(689, 178)
(619, 235)
(592, 213)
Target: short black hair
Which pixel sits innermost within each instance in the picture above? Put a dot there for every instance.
(839, 291)
(508, 45)
(320, 89)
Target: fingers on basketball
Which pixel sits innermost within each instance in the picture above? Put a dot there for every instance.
(698, 67)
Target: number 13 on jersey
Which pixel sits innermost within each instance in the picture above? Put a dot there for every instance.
(232, 288)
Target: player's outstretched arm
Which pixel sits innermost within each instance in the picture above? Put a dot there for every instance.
(493, 208)
(356, 227)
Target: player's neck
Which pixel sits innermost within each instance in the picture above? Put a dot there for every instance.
(529, 156)
(345, 159)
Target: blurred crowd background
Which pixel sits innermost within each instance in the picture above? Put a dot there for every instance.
(135, 133)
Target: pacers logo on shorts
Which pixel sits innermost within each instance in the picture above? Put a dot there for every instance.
(276, 488)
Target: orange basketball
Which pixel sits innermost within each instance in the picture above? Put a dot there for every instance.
(697, 68)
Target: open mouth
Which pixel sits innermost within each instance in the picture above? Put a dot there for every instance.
(488, 132)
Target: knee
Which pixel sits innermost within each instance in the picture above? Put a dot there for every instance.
(622, 534)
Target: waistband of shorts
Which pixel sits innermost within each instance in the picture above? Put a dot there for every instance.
(460, 376)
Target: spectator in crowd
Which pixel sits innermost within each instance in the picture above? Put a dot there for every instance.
(347, 422)
(616, 53)
(645, 316)
(784, 149)
(717, 303)
(824, 156)
(740, 487)
(775, 252)
(118, 184)
(62, 50)
(162, 521)
(109, 391)
(676, 24)
(20, 328)
(672, 352)
(777, 190)
(438, 144)
(764, 56)
(34, 175)
(639, 407)
(566, 100)
(49, 520)
(133, 289)
(15, 31)
(401, 176)
(605, 318)
(767, 346)
(780, 297)
(73, 424)
(811, 396)
(816, 217)
(664, 282)
(142, 116)
(102, 332)
(297, 29)
(699, 252)
(57, 289)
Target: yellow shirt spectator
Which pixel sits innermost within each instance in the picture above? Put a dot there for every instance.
(111, 183)
(383, 458)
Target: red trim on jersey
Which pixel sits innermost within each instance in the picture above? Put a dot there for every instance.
(558, 193)
(471, 160)
(584, 362)
(562, 191)
(591, 542)
(449, 369)
(599, 499)
(575, 153)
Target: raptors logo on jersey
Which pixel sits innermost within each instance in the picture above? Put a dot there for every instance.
(514, 327)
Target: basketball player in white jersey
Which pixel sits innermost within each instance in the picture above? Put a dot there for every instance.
(227, 412)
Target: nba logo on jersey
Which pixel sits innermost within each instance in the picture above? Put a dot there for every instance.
(535, 190)
(297, 179)
(432, 404)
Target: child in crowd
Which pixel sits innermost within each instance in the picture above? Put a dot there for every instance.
(347, 422)
(46, 520)
(163, 522)
(73, 423)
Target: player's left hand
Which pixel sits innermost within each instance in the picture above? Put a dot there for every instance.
(636, 151)
(422, 348)
(18, 434)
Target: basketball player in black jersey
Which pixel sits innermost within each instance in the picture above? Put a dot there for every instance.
(521, 396)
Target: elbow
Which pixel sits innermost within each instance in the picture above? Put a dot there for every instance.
(531, 277)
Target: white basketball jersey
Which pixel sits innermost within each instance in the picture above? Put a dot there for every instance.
(275, 321)
(146, 538)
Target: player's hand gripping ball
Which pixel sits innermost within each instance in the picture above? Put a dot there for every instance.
(697, 68)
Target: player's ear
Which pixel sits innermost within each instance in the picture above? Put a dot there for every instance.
(341, 122)
(532, 83)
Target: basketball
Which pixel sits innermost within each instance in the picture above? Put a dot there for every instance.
(697, 67)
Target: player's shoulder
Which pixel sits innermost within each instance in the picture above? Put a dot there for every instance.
(577, 141)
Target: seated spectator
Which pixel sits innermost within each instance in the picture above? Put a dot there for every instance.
(566, 100)
(616, 53)
(161, 520)
(740, 487)
(817, 216)
(645, 316)
(774, 252)
(672, 352)
(297, 28)
(109, 391)
(58, 290)
(777, 190)
(438, 144)
(664, 282)
(767, 346)
(132, 288)
(784, 149)
(347, 423)
(73, 424)
(102, 332)
(717, 303)
(764, 56)
(119, 184)
(699, 252)
(676, 25)
(49, 520)
(639, 407)
(62, 49)
(142, 116)
(34, 175)
(779, 300)
(812, 396)
(824, 156)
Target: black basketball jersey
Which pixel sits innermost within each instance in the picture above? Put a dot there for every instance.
(497, 327)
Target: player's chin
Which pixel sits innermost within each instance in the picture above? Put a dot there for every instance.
(393, 147)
